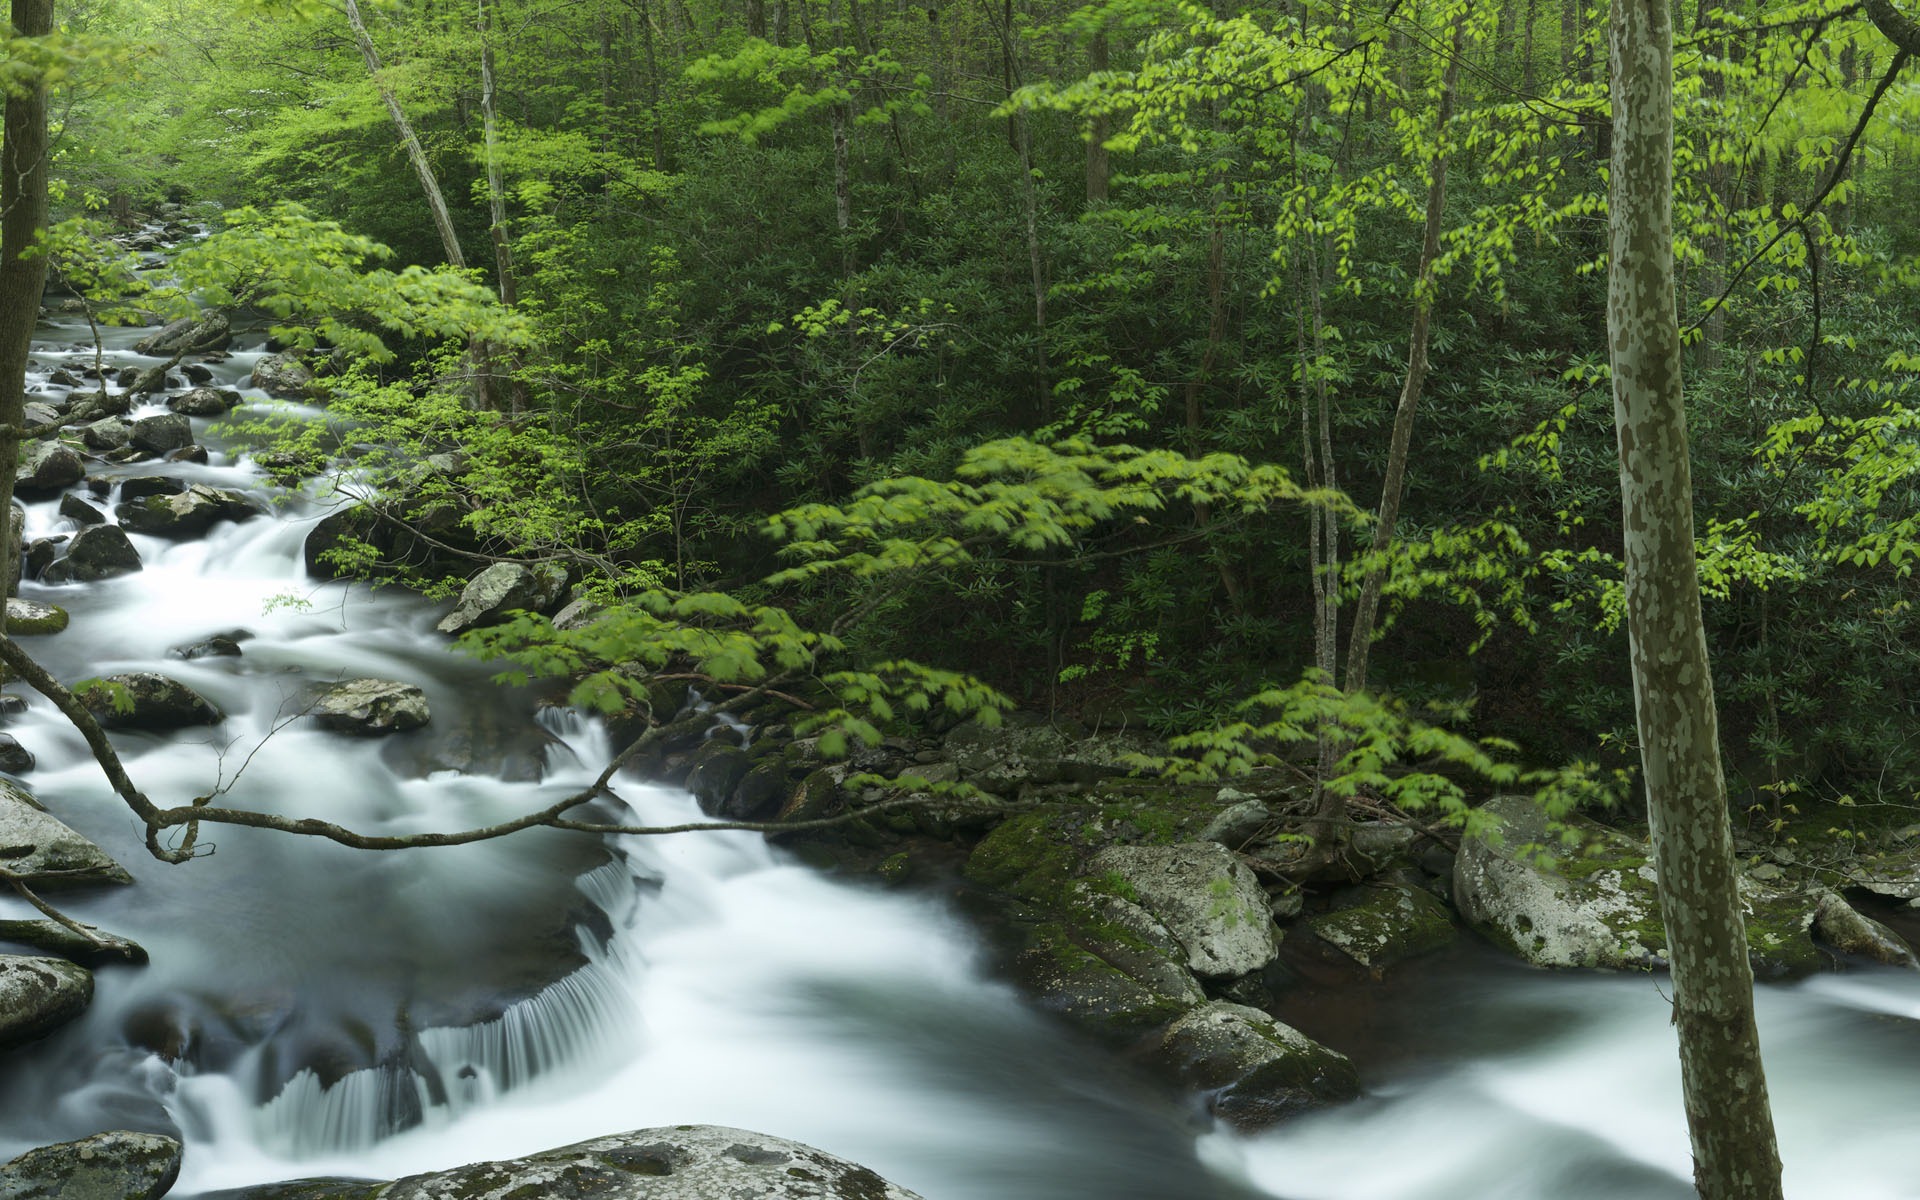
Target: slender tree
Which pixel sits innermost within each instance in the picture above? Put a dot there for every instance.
(1726, 1091)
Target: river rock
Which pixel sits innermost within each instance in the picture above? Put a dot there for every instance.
(189, 335)
(283, 377)
(121, 1165)
(37, 996)
(204, 402)
(214, 645)
(26, 617)
(185, 514)
(73, 508)
(46, 468)
(108, 433)
(1380, 926)
(502, 588)
(1206, 897)
(157, 703)
(15, 759)
(371, 707)
(1256, 1071)
(1849, 931)
(718, 767)
(37, 416)
(96, 552)
(90, 949)
(54, 855)
(159, 434)
(141, 487)
(1006, 757)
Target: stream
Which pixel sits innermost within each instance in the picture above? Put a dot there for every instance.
(311, 1010)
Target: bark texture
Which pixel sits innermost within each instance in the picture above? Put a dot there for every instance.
(416, 153)
(1735, 1157)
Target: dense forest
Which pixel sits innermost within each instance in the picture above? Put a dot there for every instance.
(1128, 361)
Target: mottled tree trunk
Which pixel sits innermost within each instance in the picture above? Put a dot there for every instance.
(1099, 168)
(1726, 1092)
(23, 213)
(409, 141)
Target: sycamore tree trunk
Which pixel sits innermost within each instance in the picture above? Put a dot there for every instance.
(23, 214)
(1726, 1091)
(416, 153)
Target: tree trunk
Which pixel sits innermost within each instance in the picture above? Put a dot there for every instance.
(23, 214)
(1726, 1093)
(1099, 169)
(416, 154)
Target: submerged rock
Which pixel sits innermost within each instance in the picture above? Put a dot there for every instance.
(214, 645)
(371, 707)
(502, 588)
(145, 700)
(121, 1165)
(54, 855)
(1256, 1071)
(37, 996)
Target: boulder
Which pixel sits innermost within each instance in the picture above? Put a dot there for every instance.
(73, 508)
(144, 700)
(46, 468)
(88, 949)
(108, 433)
(185, 514)
(718, 767)
(188, 454)
(1105, 964)
(25, 617)
(284, 377)
(37, 996)
(37, 416)
(204, 402)
(121, 1165)
(502, 588)
(189, 335)
(1003, 758)
(371, 707)
(44, 852)
(159, 434)
(15, 759)
(96, 552)
(215, 645)
(42, 553)
(678, 1162)
(1380, 926)
(140, 487)
(1205, 896)
(1841, 926)
(1255, 1071)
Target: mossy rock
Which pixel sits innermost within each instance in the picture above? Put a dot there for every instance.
(27, 618)
(1255, 1071)
(1381, 926)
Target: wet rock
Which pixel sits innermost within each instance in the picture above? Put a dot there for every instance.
(371, 707)
(502, 588)
(1256, 1071)
(718, 767)
(73, 508)
(1205, 896)
(760, 793)
(144, 700)
(217, 645)
(1381, 926)
(89, 949)
(1007, 757)
(185, 514)
(284, 377)
(159, 434)
(188, 335)
(26, 617)
(15, 759)
(37, 416)
(140, 487)
(1847, 930)
(188, 454)
(46, 468)
(43, 851)
(290, 464)
(1239, 823)
(121, 1165)
(37, 996)
(1107, 965)
(42, 553)
(197, 374)
(204, 402)
(96, 552)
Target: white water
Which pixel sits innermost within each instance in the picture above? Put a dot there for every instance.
(380, 1014)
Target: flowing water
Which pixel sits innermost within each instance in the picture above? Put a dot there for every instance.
(311, 1010)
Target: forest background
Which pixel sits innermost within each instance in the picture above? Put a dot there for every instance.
(777, 282)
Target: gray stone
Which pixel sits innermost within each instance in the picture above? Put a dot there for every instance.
(284, 377)
(1007, 757)
(1205, 896)
(121, 1165)
(46, 468)
(718, 767)
(15, 759)
(371, 707)
(159, 434)
(185, 514)
(502, 588)
(154, 702)
(204, 402)
(1382, 926)
(578, 614)
(26, 617)
(141, 487)
(1255, 1070)
(54, 855)
(1847, 930)
(217, 645)
(96, 552)
(189, 335)
(73, 508)
(1238, 824)
(37, 996)
(38, 416)
(88, 949)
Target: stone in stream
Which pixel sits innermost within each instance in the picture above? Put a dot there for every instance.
(15, 759)
(1205, 896)
(73, 508)
(96, 552)
(36, 846)
(502, 588)
(25, 617)
(204, 402)
(37, 996)
(159, 434)
(41, 553)
(371, 707)
(46, 468)
(139, 487)
(88, 949)
(188, 335)
(185, 514)
(108, 433)
(145, 700)
(1256, 1072)
(676, 1162)
(214, 645)
(188, 454)
(284, 377)
(1383, 925)
(37, 416)
(197, 375)
(121, 1165)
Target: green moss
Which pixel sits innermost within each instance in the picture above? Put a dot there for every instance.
(1028, 856)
